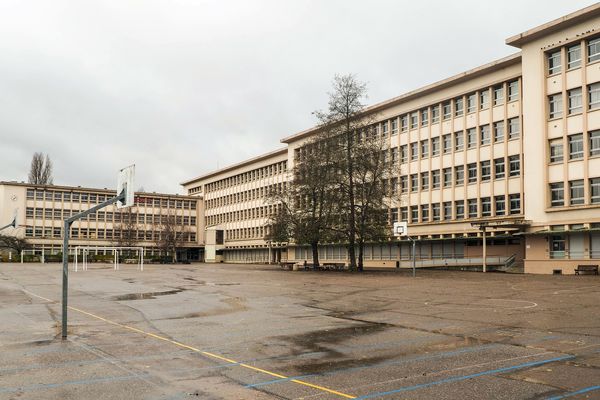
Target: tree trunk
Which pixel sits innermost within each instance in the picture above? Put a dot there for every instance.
(352, 214)
(315, 253)
(361, 248)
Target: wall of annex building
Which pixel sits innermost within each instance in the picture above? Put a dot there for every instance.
(561, 119)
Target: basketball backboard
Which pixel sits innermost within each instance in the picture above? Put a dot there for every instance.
(125, 182)
(400, 228)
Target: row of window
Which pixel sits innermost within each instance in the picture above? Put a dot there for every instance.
(482, 136)
(241, 215)
(574, 101)
(101, 234)
(247, 195)
(249, 176)
(573, 55)
(459, 209)
(575, 145)
(576, 192)
(93, 198)
(447, 176)
(106, 216)
(257, 232)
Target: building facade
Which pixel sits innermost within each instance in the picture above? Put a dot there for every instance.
(41, 211)
(511, 147)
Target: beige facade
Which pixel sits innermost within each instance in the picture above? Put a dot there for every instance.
(514, 144)
(41, 211)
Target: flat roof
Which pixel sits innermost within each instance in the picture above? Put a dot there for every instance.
(238, 165)
(89, 189)
(453, 80)
(555, 25)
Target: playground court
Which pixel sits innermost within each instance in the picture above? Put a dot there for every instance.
(257, 332)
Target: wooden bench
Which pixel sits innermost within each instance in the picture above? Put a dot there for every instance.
(585, 269)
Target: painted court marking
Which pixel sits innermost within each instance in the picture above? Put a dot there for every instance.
(194, 349)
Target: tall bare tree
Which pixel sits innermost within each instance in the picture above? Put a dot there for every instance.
(40, 172)
(125, 232)
(171, 234)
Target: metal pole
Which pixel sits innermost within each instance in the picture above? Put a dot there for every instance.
(414, 258)
(484, 251)
(65, 280)
(142, 253)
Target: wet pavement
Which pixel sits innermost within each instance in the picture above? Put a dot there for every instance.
(257, 332)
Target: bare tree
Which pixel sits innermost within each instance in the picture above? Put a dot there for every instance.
(13, 243)
(125, 233)
(171, 234)
(40, 172)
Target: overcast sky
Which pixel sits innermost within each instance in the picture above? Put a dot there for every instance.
(181, 88)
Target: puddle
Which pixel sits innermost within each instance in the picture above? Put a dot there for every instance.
(144, 296)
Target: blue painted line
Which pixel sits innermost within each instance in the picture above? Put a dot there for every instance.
(581, 391)
(465, 377)
(44, 386)
(384, 364)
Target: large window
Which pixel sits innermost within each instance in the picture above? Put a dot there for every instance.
(576, 191)
(498, 95)
(513, 90)
(414, 120)
(498, 131)
(557, 246)
(425, 213)
(514, 165)
(593, 50)
(404, 123)
(472, 205)
(459, 175)
(500, 203)
(485, 134)
(435, 179)
(435, 114)
(471, 103)
(486, 170)
(424, 117)
(447, 177)
(486, 206)
(594, 96)
(459, 107)
(554, 62)
(471, 138)
(414, 151)
(557, 194)
(556, 150)
(459, 208)
(435, 146)
(424, 148)
(424, 180)
(414, 182)
(447, 210)
(435, 211)
(575, 105)
(499, 168)
(472, 172)
(447, 143)
(447, 110)
(514, 128)
(574, 56)
(484, 99)
(555, 105)
(594, 143)
(576, 146)
(459, 141)
(595, 190)
(515, 203)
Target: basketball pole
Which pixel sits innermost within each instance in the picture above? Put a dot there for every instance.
(66, 233)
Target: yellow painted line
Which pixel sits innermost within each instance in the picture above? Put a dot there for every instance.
(206, 353)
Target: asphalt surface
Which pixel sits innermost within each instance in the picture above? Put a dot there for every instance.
(257, 332)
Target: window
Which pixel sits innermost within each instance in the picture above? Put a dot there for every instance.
(414, 214)
(556, 150)
(515, 203)
(403, 153)
(394, 126)
(404, 123)
(459, 141)
(424, 117)
(486, 206)
(472, 206)
(424, 180)
(574, 56)
(554, 62)
(414, 182)
(436, 212)
(447, 210)
(404, 214)
(471, 138)
(498, 131)
(447, 110)
(435, 114)
(435, 146)
(594, 96)
(404, 183)
(574, 101)
(514, 128)
(414, 120)
(500, 203)
(576, 146)
(514, 165)
(498, 95)
(459, 107)
(447, 177)
(576, 192)
(459, 175)
(394, 214)
(593, 50)
(447, 143)
(484, 131)
(385, 128)
(471, 103)
(472, 172)
(594, 143)
(394, 185)
(414, 151)
(557, 194)
(484, 99)
(499, 168)
(513, 90)
(435, 179)
(486, 170)
(459, 208)
(555, 106)
(424, 148)
(425, 212)
(595, 190)
(394, 155)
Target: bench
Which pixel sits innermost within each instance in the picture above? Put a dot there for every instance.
(585, 269)
(334, 266)
(286, 265)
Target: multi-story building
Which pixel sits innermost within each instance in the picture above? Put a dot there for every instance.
(41, 211)
(512, 146)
